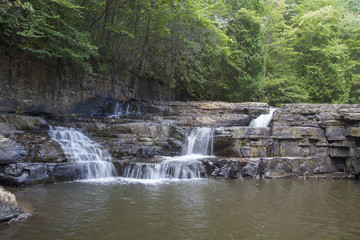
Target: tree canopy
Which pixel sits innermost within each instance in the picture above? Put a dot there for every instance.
(278, 51)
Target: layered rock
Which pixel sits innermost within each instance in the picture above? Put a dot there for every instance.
(33, 85)
(303, 140)
(26, 150)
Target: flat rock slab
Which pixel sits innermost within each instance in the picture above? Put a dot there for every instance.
(22, 122)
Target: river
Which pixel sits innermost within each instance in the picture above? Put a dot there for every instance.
(191, 209)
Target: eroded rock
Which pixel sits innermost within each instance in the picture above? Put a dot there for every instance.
(9, 208)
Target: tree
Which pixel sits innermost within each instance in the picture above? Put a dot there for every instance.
(247, 55)
(321, 62)
(49, 29)
(281, 83)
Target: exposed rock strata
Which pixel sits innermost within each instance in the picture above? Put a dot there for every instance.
(303, 140)
(32, 85)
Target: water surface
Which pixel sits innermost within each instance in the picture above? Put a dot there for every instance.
(191, 209)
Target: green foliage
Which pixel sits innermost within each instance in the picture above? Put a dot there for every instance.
(283, 90)
(48, 29)
(277, 51)
(12, 15)
(247, 55)
(313, 50)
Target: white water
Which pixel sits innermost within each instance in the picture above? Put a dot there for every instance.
(199, 141)
(198, 144)
(122, 109)
(263, 120)
(91, 161)
(164, 170)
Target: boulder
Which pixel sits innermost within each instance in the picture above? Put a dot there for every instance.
(9, 208)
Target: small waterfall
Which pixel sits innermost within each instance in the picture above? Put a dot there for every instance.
(167, 169)
(125, 109)
(198, 144)
(199, 141)
(263, 120)
(91, 161)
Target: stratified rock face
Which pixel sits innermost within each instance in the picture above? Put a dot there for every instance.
(303, 140)
(26, 150)
(9, 208)
(158, 128)
(325, 133)
(29, 84)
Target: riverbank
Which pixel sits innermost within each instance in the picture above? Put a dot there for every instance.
(309, 141)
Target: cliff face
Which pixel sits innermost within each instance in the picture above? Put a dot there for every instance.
(28, 84)
(303, 140)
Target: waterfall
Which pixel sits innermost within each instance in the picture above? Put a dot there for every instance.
(90, 161)
(263, 120)
(125, 109)
(198, 144)
(168, 169)
(199, 141)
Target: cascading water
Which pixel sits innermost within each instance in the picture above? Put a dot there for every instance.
(199, 141)
(198, 144)
(90, 161)
(168, 169)
(125, 109)
(263, 120)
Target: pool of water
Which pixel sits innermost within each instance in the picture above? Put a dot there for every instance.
(191, 209)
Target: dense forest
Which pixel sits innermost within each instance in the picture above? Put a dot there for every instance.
(276, 51)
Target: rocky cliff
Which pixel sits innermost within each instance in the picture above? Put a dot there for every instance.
(320, 140)
(32, 85)
(303, 140)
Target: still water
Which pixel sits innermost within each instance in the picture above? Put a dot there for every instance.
(191, 209)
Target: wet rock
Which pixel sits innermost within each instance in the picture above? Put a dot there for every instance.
(22, 122)
(303, 139)
(11, 151)
(9, 208)
(224, 168)
(64, 172)
(21, 174)
(295, 166)
(251, 169)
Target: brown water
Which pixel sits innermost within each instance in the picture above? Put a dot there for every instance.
(195, 209)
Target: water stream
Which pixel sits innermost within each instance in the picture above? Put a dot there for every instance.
(198, 144)
(125, 109)
(263, 120)
(199, 141)
(91, 162)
